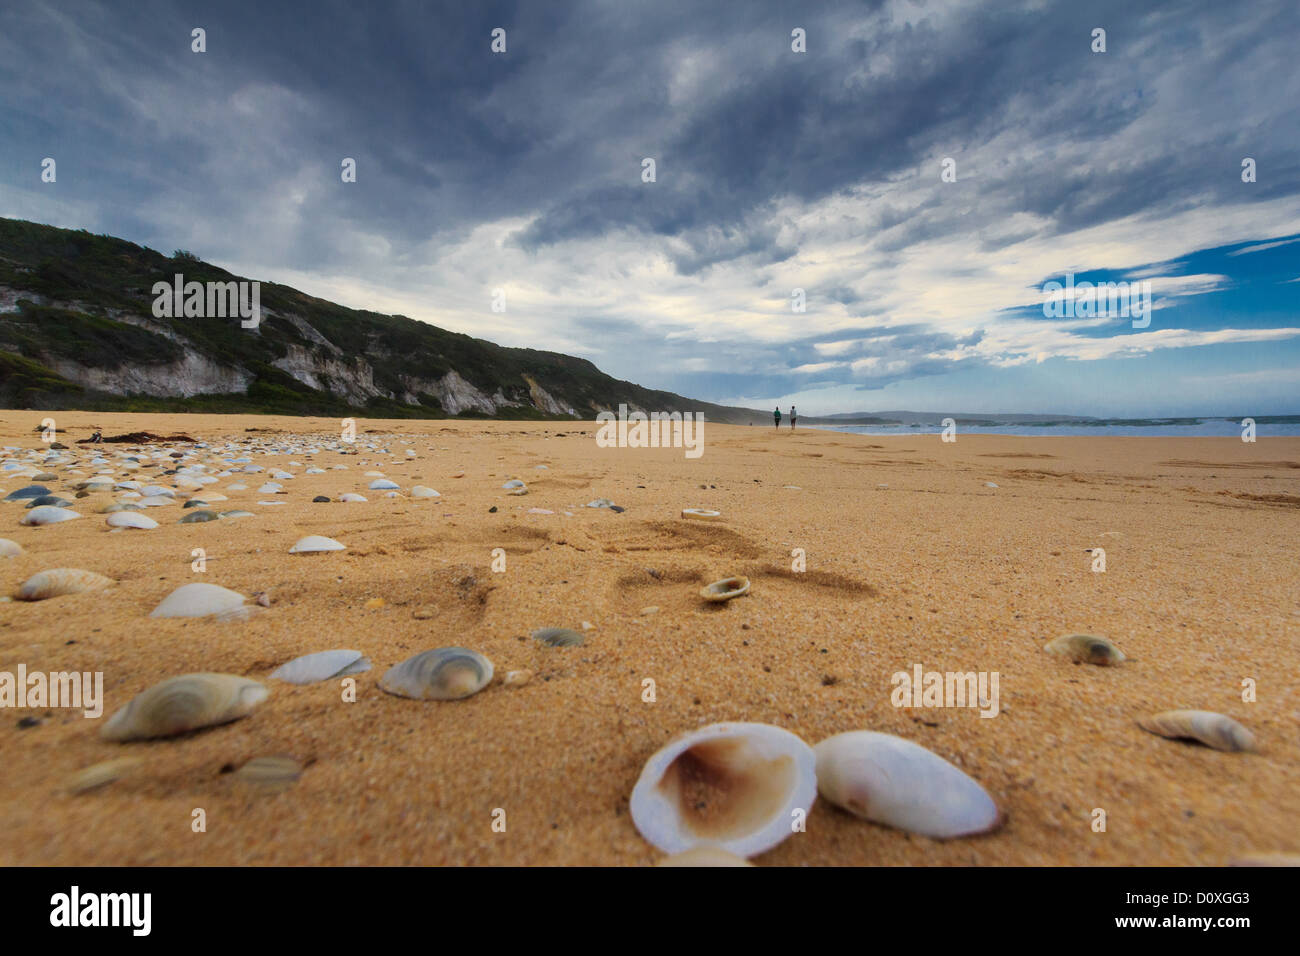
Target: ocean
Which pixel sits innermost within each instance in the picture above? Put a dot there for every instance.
(1265, 427)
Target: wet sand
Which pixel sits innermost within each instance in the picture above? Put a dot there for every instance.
(1200, 591)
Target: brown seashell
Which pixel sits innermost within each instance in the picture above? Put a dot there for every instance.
(1204, 726)
(1087, 649)
(184, 703)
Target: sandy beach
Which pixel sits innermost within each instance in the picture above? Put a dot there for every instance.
(911, 558)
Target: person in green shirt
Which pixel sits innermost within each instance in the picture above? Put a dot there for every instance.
(776, 414)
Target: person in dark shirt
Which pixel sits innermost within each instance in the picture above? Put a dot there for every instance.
(776, 414)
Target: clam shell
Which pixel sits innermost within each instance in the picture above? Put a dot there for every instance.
(1087, 649)
(893, 781)
(28, 492)
(420, 491)
(558, 637)
(726, 589)
(731, 785)
(53, 501)
(1207, 727)
(59, 581)
(10, 549)
(200, 600)
(383, 484)
(704, 855)
(47, 514)
(312, 668)
(444, 673)
(130, 519)
(237, 513)
(270, 771)
(102, 773)
(181, 704)
(314, 543)
(196, 517)
(352, 496)
(702, 514)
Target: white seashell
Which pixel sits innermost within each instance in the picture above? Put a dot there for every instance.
(312, 668)
(893, 781)
(731, 785)
(130, 519)
(315, 542)
(200, 600)
(10, 549)
(237, 487)
(702, 514)
(383, 484)
(47, 514)
(181, 704)
(704, 855)
(445, 673)
(157, 491)
(351, 496)
(270, 488)
(419, 491)
(156, 501)
(59, 581)
(102, 773)
(726, 589)
(1205, 726)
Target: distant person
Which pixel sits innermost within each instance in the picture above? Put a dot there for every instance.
(793, 418)
(776, 414)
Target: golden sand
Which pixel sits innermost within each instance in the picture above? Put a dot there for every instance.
(1200, 592)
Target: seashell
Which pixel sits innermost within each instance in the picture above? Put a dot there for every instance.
(200, 600)
(352, 496)
(1086, 648)
(181, 704)
(599, 503)
(515, 487)
(990, 484)
(59, 581)
(730, 785)
(102, 773)
(157, 491)
(10, 549)
(236, 514)
(49, 500)
(889, 780)
(47, 514)
(445, 673)
(701, 514)
(558, 637)
(314, 543)
(313, 668)
(130, 519)
(320, 499)
(383, 484)
(26, 493)
(195, 503)
(704, 855)
(419, 491)
(517, 678)
(726, 589)
(270, 771)
(270, 488)
(196, 517)
(1207, 727)
(156, 501)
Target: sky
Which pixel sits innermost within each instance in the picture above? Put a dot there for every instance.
(774, 170)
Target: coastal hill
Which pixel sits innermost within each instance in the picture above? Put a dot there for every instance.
(77, 330)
